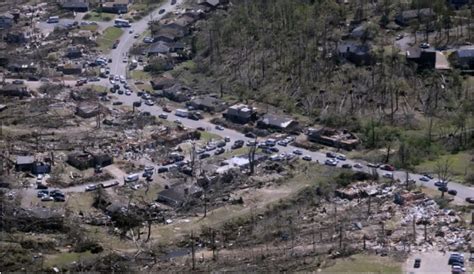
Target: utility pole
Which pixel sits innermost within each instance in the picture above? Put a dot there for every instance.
(414, 229)
(368, 206)
(340, 236)
(193, 252)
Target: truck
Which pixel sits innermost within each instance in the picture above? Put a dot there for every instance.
(53, 19)
(131, 178)
(182, 113)
(122, 23)
(115, 45)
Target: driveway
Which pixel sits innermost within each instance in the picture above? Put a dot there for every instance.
(432, 262)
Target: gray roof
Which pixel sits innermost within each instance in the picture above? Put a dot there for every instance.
(159, 47)
(275, 120)
(24, 160)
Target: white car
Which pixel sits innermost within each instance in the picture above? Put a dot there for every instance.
(341, 157)
(424, 179)
(149, 102)
(331, 162)
(388, 175)
(306, 158)
(297, 152)
(357, 165)
(128, 93)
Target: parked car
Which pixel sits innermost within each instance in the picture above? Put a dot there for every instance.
(91, 187)
(59, 198)
(424, 179)
(373, 165)
(425, 45)
(331, 162)
(452, 192)
(219, 151)
(297, 152)
(204, 155)
(428, 176)
(417, 263)
(161, 11)
(387, 168)
(47, 199)
(42, 193)
(218, 127)
(227, 139)
(163, 116)
(330, 155)
(250, 135)
(341, 157)
(348, 166)
(388, 175)
(440, 183)
(306, 158)
(470, 200)
(357, 165)
(443, 188)
(162, 169)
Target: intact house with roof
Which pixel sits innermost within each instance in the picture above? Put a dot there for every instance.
(406, 17)
(333, 137)
(70, 69)
(427, 59)
(14, 90)
(75, 5)
(158, 48)
(212, 4)
(463, 58)
(208, 103)
(116, 6)
(240, 113)
(357, 53)
(277, 122)
(29, 164)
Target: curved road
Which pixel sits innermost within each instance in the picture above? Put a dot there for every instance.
(119, 68)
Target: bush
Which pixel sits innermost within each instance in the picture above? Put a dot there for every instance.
(87, 16)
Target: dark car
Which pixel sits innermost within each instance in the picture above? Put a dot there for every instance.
(163, 116)
(443, 189)
(18, 82)
(117, 103)
(250, 135)
(387, 168)
(201, 129)
(162, 11)
(41, 186)
(452, 192)
(330, 155)
(470, 200)
(59, 198)
(204, 155)
(219, 151)
(120, 91)
(417, 263)
(428, 176)
(162, 169)
(42, 193)
(346, 166)
(173, 2)
(274, 149)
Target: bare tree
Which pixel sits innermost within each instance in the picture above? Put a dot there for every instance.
(252, 151)
(443, 170)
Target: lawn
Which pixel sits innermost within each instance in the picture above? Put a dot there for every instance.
(460, 165)
(110, 35)
(365, 264)
(66, 258)
(96, 16)
(207, 136)
(140, 75)
(90, 27)
(97, 88)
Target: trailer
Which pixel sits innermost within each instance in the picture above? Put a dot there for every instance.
(182, 113)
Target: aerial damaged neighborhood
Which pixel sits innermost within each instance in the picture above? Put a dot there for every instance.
(237, 136)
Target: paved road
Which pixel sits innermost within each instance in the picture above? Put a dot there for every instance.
(119, 68)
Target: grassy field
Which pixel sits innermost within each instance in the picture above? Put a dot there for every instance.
(108, 38)
(365, 264)
(90, 27)
(95, 16)
(97, 88)
(66, 258)
(460, 163)
(140, 75)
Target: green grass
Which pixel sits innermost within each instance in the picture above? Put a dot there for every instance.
(146, 87)
(108, 38)
(102, 17)
(97, 88)
(90, 27)
(207, 136)
(66, 258)
(460, 164)
(365, 264)
(140, 75)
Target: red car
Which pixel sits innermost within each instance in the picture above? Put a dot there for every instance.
(387, 168)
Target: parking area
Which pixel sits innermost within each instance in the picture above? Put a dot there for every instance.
(433, 262)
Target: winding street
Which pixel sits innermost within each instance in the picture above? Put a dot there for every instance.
(119, 68)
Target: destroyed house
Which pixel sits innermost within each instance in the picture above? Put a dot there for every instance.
(73, 52)
(14, 90)
(406, 17)
(178, 93)
(272, 121)
(161, 83)
(115, 6)
(21, 66)
(70, 69)
(157, 48)
(85, 160)
(240, 113)
(75, 5)
(178, 194)
(333, 137)
(356, 53)
(6, 20)
(24, 163)
(208, 103)
(88, 110)
(171, 137)
(16, 37)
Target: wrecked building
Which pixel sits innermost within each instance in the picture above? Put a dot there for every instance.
(85, 160)
(333, 137)
(178, 194)
(172, 137)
